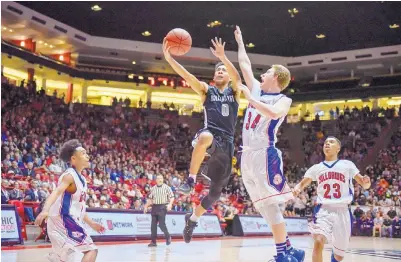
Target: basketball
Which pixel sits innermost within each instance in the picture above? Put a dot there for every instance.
(179, 41)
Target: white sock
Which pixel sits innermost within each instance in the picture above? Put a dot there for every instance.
(194, 218)
(193, 176)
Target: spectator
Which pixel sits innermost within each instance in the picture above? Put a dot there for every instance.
(5, 196)
(396, 227)
(138, 206)
(392, 213)
(358, 212)
(378, 223)
(15, 169)
(387, 226)
(16, 193)
(29, 171)
(33, 193)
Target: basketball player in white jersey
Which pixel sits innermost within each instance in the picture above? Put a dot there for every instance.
(261, 161)
(65, 209)
(332, 218)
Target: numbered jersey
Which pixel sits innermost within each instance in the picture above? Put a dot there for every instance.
(221, 112)
(334, 181)
(260, 131)
(71, 204)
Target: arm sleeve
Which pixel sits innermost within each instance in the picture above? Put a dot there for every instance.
(311, 173)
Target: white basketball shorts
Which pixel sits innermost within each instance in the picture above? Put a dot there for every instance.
(335, 223)
(67, 236)
(262, 173)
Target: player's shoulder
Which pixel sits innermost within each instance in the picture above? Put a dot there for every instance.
(347, 162)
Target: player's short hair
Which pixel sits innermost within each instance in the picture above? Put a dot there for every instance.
(283, 76)
(335, 138)
(218, 65)
(68, 149)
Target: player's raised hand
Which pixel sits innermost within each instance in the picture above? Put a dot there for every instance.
(166, 49)
(238, 35)
(218, 50)
(245, 90)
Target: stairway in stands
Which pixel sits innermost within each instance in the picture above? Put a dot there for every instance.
(381, 142)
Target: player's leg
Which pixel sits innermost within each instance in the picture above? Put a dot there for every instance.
(201, 143)
(318, 245)
(341, 233)
(274, 190)
(90, 256)
(220, 164)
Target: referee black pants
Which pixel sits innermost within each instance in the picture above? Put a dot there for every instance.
(159, 213)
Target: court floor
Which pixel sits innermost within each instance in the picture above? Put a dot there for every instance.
(224, 249)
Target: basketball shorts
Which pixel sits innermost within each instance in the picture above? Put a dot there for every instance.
(262, 173)
(67, 236)
(335, 224)
(219, 165)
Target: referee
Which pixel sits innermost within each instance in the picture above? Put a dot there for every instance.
(161, 198)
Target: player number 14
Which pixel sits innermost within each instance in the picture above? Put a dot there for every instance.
(254, 123)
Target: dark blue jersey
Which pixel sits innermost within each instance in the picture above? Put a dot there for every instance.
(221, 112)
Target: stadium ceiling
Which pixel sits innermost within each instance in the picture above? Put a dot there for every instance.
(275, 28)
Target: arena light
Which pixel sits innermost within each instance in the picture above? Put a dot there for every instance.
(250, 45)
(4, 28)
(134, 62)
(40, 42)
(96, 8)
(214, 24)
(51, 46)
(293, 12)
(320, 36)
(11, 30)
(140, 77)
(146, 33)
(23, 43)
(394, 26)
(131, 76)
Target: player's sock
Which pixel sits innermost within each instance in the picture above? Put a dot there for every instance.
(194, 218)
(281, 248)
(287, 242)
(333, 259)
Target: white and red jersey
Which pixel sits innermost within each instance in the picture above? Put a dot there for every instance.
(334, 181)
(259, 131)
(71, 204)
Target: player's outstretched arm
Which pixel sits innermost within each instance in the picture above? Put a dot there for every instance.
(66, 181)
(364, 181)
(301, 186)
(218, 51)
(244, 62)
(279, 109)
(198, 86)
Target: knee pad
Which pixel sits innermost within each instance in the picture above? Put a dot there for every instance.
(271, 213)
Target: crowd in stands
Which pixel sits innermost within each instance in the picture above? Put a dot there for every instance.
(129, 147)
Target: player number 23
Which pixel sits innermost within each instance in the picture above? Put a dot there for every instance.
(337, 191)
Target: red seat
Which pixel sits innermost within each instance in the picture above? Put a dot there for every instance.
(20, 210)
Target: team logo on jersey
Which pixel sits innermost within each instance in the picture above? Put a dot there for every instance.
(76, 234)
(110, 224)
(277, 180)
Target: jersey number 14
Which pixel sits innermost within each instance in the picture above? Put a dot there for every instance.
(254, 123)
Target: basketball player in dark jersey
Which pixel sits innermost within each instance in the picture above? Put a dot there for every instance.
(220, 103)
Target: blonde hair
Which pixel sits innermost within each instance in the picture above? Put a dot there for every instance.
(283, 76)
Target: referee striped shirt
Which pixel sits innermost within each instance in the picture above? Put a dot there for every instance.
(161, 195)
